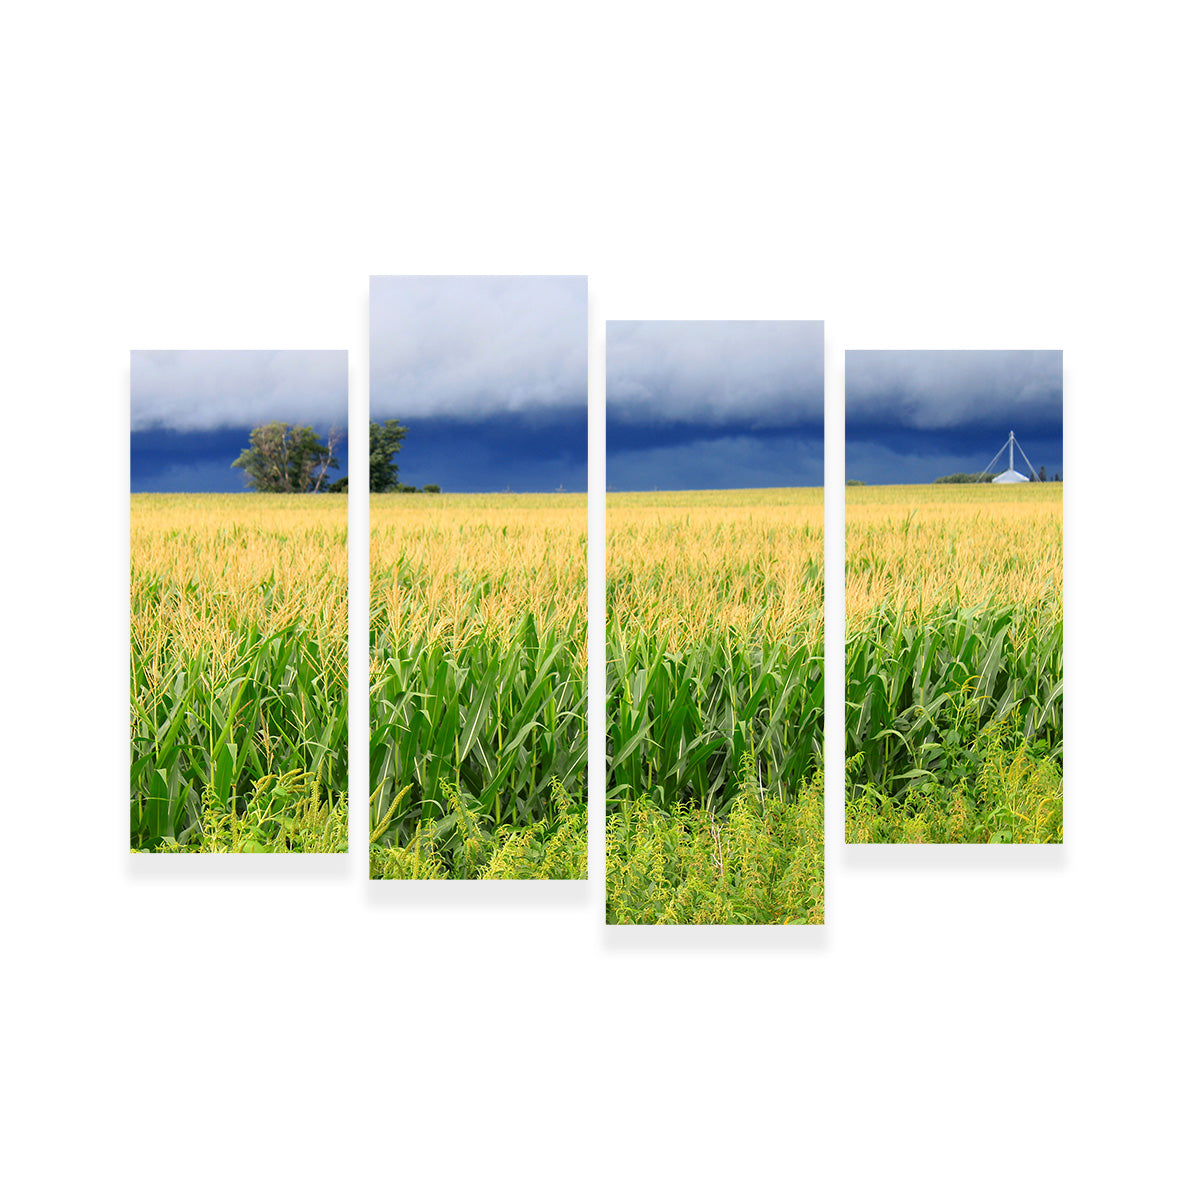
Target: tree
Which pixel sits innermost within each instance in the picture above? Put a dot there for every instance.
(386, 440)
(288, 458)
(1041, 474)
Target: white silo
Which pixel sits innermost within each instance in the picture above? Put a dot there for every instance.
(1011, 475)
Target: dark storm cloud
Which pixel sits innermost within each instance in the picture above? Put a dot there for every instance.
(722, 462)
(167, 460)
(170, 460)
(190, 390)
(542, 451)
(469, 346)
(714, 404)
(945, 389)
(755, 374)
(915, 415)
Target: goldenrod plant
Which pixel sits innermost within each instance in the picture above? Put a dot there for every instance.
(470, 846)
(760, 864)
(287, 814)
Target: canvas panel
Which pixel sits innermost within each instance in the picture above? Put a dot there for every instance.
(238, 601)
(478, 752)
(954, 596)
(715, 586)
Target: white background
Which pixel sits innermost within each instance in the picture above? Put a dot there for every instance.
(972, 1021)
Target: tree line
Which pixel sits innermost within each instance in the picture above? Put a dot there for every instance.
(286, 458)
(960, 477)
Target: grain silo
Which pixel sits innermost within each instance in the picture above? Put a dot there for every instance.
(1011, 475)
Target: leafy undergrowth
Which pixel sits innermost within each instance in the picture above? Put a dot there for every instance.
(464, 846)
(1013, 794)
(761, 864)
(285, 814)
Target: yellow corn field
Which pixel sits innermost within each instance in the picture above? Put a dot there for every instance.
(448, 568)
(917, 549)
(478, 668)
(685, 566)
(238, 630)
(715, 705)
(954, 662)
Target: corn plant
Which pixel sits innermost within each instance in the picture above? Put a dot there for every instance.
(715, 638)
(679, 724)
(916, 695)
(478, 653)
(954, 635)
(238, 657)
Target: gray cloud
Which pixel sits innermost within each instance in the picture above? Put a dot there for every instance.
(475, 345)
(759, 374)
(190, 390)
(941, 389)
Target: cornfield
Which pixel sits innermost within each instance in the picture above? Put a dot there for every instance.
(715, 682)
(238, 634)
(715, 632)
(953, 626)
(478, 666)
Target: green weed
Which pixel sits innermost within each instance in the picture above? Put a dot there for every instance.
(285, 814)
(760, 864)
(1013, 794)
(466, 845)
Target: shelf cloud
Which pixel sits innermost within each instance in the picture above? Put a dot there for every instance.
(942, 389)
(748, 374)
(715, 404)
(466, 346)
(198, 390)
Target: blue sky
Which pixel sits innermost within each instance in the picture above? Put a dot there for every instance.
(489, 375)
(191, 411)
(914, 415)
(715, 404)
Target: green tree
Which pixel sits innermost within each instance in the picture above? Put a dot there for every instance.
(386, 440)
(288, 458)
